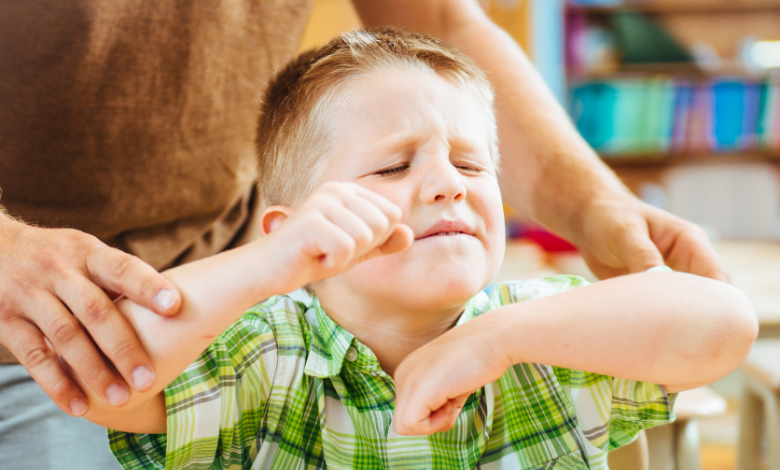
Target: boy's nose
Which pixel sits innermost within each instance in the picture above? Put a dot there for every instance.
(443, 183)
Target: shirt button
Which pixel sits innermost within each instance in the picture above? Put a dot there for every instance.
(352, 354)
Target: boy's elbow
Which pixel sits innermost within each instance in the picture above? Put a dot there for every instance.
(743, 319)
(738, 327)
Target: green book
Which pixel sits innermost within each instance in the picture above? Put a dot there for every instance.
(656, 130)
(626, 116)
(640, 40)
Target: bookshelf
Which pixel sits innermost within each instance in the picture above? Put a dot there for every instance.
(642, 72)
(673, 97)
(690, 6)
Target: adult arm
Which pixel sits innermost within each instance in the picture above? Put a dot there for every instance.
(549, 171)
(684, 331)
(55, 288)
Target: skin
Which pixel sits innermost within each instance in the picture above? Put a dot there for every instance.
(430, 140)
(48, 273)
(549, 173)
(370, 236)
(683, 331)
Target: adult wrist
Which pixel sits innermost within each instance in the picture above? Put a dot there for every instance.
(605, 199)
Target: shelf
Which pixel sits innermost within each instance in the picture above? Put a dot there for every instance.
(677, 69)
(681, 70)
(677, 6)
(656, 160)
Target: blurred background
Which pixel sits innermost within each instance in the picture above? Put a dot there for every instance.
(682, 99)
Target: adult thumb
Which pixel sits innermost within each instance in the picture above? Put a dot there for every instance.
(639, 253)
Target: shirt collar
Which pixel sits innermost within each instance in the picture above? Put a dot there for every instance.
(330, 342)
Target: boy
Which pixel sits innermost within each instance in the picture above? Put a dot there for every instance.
(394, 361)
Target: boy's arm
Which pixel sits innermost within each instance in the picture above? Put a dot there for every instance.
(674, 329)
(340, 225)
(548, 171)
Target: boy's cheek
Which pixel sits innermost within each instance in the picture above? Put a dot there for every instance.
(392, 191)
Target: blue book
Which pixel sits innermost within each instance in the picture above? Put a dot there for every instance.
(752, 114)
(728, 111)
(591, 105)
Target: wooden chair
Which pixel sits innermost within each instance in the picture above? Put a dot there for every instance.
(676, 446)
(759, 433)
(630, 457)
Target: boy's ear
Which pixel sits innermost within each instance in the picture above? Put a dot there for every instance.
(272, 217)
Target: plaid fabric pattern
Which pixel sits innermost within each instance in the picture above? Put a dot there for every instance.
(286, 388)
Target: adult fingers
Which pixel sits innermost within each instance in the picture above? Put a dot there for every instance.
(136, 280)
(29, 346)
(74, 345)
(687, 247)
(109, 329)
(635, 248)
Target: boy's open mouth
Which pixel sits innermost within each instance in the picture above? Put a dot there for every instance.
(447, 228)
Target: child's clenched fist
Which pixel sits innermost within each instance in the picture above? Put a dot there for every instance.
(337, 227)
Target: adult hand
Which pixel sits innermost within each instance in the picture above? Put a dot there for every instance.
(623, 235)
(56, 287)
(548, 170)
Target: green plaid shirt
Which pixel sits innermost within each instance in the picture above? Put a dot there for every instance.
(285, 387)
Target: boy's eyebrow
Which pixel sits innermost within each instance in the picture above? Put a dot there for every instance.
(395, 143)
(463, 144)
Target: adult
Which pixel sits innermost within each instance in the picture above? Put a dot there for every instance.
(131, 123)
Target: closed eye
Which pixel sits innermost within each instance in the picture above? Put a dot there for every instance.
(393, 171)
(468, 168)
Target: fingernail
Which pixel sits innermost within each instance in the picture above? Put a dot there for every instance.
(142, 377)
(117, 394)
(78, 406)
(164, 299)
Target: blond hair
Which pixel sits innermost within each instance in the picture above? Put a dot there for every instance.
(297, 114)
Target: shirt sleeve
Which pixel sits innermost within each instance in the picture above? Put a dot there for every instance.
(214, 408)
(612, 411)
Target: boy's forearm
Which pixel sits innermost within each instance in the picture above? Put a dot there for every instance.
(673, 329)
(215, 292)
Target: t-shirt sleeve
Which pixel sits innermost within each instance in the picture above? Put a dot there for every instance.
(612, 411)
(214, 408)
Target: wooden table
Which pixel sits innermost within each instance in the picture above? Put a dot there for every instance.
(754, 268)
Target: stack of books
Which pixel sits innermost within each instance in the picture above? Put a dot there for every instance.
(661, 115)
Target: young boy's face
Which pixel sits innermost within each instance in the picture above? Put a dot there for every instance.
(422, 143)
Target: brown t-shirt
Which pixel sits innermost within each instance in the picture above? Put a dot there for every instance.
(134, 120)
